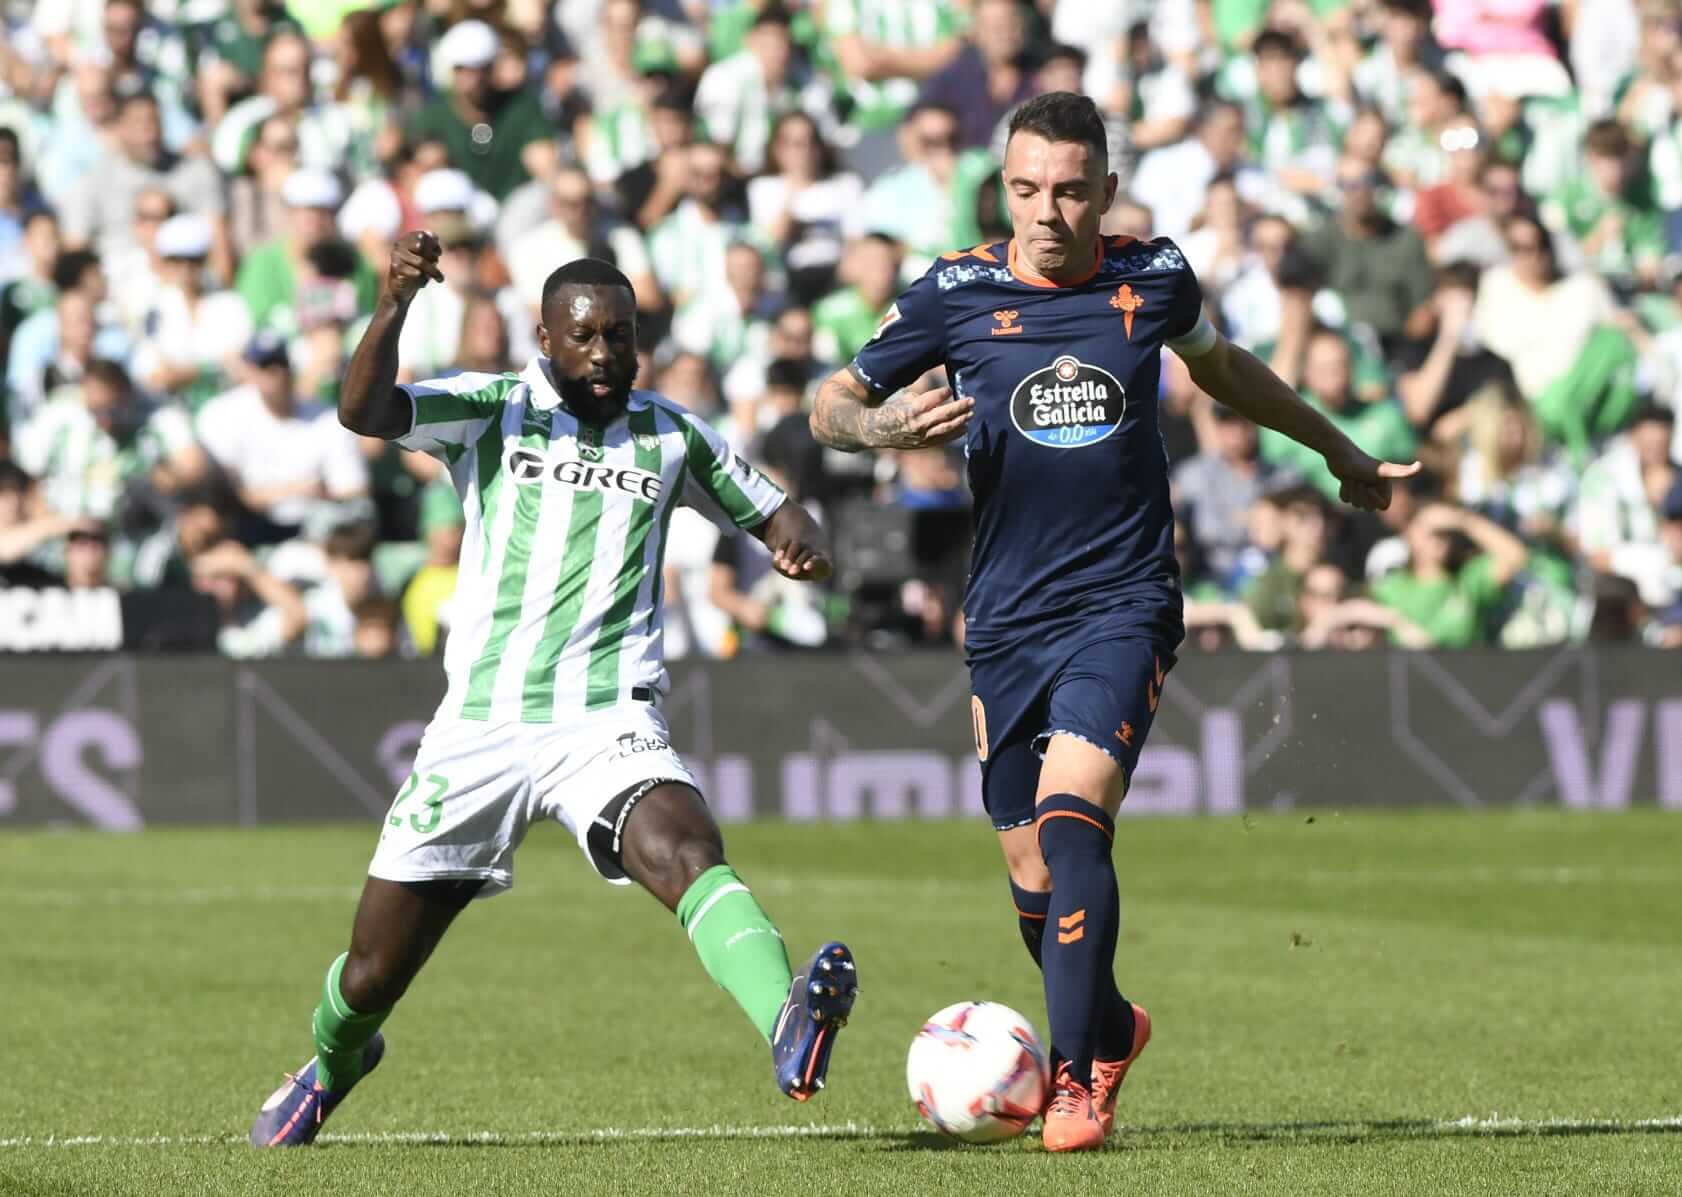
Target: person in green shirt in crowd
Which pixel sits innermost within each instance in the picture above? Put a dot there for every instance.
(500, 141)
(1380, 427)
(1608, 210)
(1459, 568)
(270, 276)
(845, 319)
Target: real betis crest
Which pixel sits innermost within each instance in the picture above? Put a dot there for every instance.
(589, 442)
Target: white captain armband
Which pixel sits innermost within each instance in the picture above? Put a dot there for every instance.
(1197, 342)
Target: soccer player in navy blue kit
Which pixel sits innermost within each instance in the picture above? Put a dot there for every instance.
(1052, 345)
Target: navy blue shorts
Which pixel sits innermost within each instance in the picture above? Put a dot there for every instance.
(1104, 692)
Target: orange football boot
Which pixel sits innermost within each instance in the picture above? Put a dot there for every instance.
(1071, 1122)
(1107, 1075)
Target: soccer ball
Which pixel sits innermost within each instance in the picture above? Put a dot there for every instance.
(977, 1072)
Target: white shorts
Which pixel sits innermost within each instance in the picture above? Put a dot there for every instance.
(477, 787)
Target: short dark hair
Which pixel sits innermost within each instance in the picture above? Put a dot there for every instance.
(104, 370)
(1608, 138)
(773, 14)
(585, 272)
(1063, 116)
(13, 476)
(1275, 41)
(1061, 50)
(71, 265)
(785, 373)
(376, 608)
(9, 137)
(351, 542)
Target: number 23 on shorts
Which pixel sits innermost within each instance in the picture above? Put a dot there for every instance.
(432, 804)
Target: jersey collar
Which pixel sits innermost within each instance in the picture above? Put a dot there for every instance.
(1015, 270)
(544, 396)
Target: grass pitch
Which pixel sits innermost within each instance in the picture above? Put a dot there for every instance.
(1368, 1004)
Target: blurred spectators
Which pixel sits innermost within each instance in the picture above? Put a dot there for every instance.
(1457, 227)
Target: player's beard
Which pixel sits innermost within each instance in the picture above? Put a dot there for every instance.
(580, 397)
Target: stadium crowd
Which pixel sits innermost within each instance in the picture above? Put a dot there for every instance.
(1456, 226)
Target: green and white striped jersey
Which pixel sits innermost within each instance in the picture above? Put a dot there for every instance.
(901, 24)
(557, 603)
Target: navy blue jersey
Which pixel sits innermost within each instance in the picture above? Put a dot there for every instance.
(1066, 463)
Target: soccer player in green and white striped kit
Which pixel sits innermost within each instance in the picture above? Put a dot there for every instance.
(569, 478)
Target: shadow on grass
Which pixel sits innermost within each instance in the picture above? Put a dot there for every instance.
(1343, 1132)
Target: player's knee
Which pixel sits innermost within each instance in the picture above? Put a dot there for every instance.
(372, 979)
(1023, 860)
(669, 841)
(1071, 828)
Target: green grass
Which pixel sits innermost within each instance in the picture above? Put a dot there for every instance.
(1329, 995)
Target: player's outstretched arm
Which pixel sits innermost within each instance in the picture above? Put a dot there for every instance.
(1232, 376)
(369, 402)
(799, 548)
(847, 416)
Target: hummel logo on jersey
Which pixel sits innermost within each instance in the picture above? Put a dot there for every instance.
(589, 442)
(533, 420)
(631, 744)
(1007, 323)
(528, 467)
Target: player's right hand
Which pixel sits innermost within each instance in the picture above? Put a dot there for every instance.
(414, 263)
(934, 417)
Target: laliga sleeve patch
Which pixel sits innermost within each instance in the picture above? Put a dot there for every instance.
(890, 316)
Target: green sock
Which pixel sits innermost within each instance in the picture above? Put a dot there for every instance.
(738, 944)
(341, 1033)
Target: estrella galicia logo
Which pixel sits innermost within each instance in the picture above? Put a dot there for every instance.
(528, 467)
(1068, 404)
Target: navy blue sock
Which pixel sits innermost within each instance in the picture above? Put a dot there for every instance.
(1078, 955)
(1031, 908)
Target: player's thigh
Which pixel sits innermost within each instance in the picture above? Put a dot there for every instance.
(1101, 710)
(596, 778)
(461, 812)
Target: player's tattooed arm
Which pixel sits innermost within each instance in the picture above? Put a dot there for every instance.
(369, 401)
(846, 415)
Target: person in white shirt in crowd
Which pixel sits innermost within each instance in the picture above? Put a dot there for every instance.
(1131, 78)
(99, 212)
(193, 336)
(687, 249)
(575, 229)
(288, 460)
(740, 97)
(446, 201)
(56, 345)
(791, 337)
(284, 88)
(348, 581)
(260, 615)
(1173, 181)
(1617, 517)
(735, 322)
(805, 206)
(93, 444)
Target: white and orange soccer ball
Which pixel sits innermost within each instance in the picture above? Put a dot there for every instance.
(977, 1072)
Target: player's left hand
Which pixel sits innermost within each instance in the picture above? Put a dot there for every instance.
(802, 562)
(797, 544)
(1365, 479)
